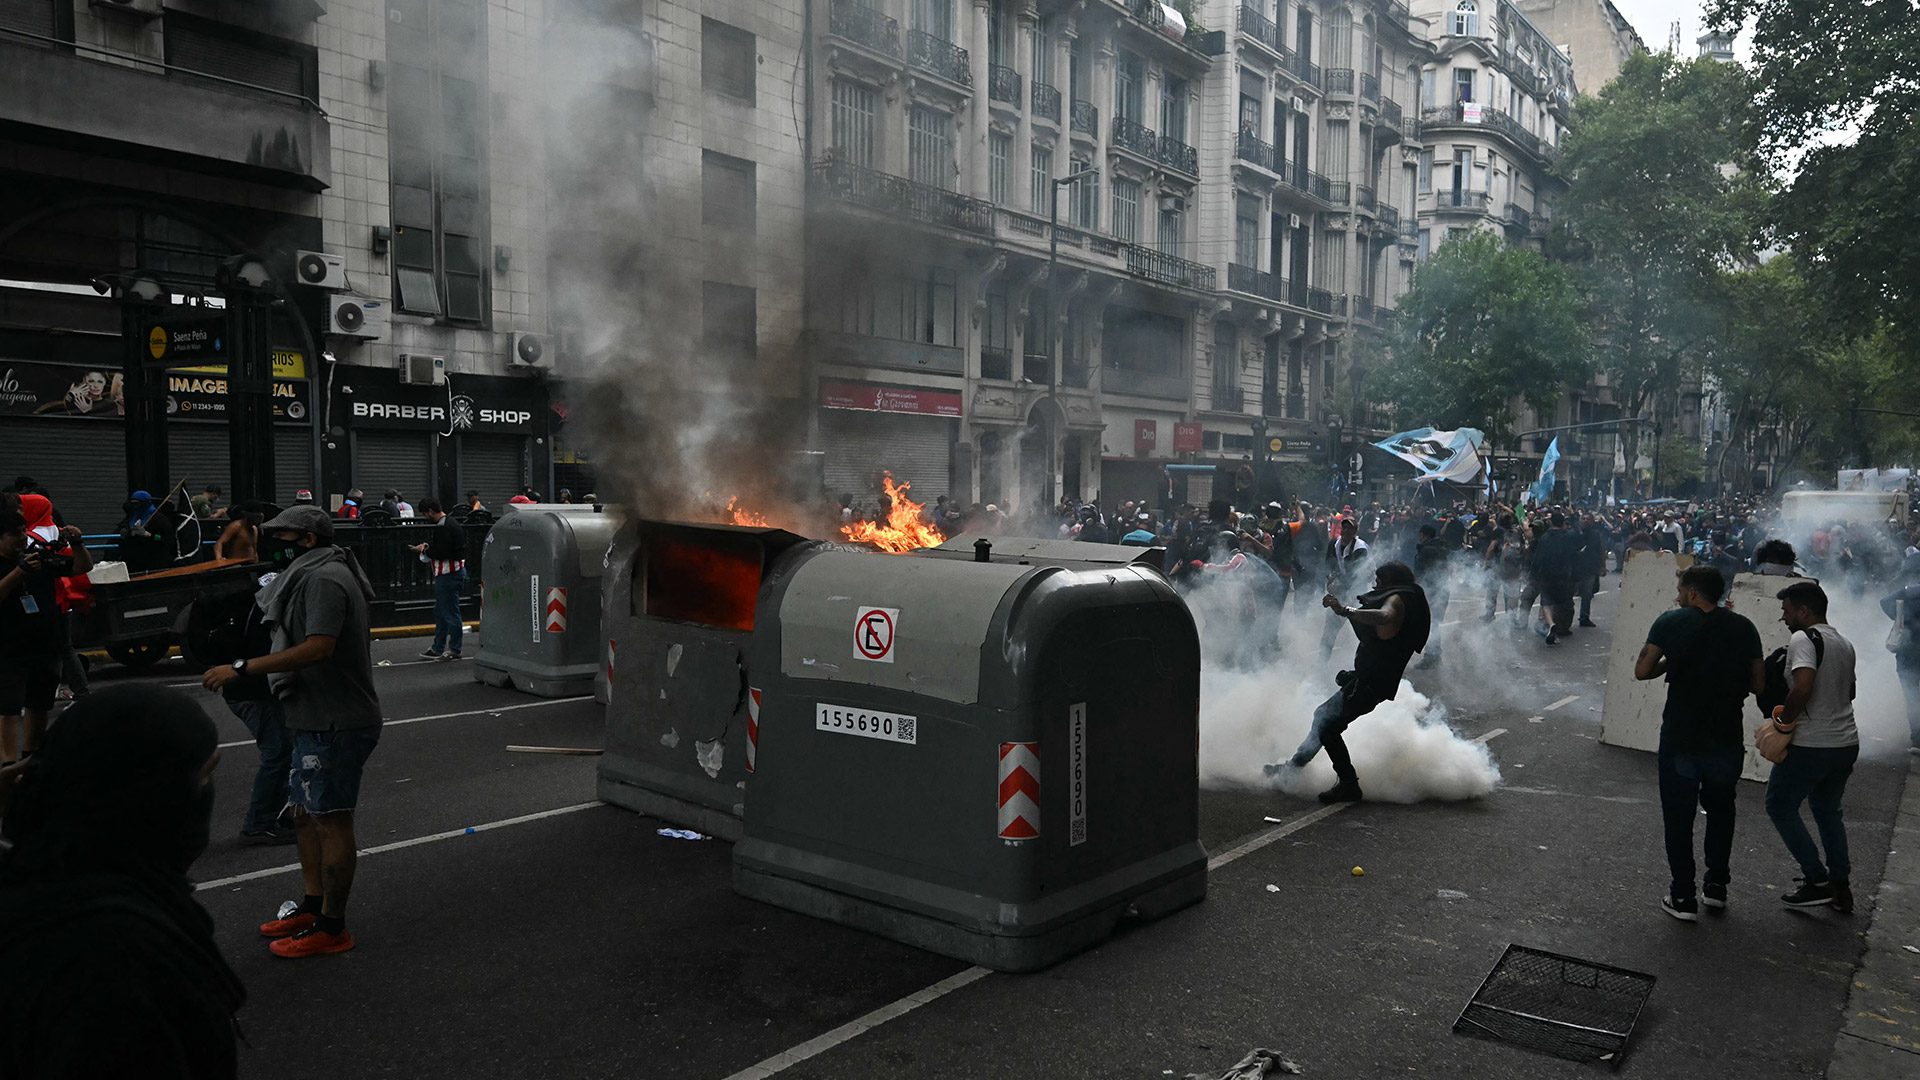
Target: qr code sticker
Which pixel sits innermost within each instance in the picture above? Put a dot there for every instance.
(1077, 834)
(903, 729)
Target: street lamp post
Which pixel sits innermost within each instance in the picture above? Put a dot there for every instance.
(1053, 355)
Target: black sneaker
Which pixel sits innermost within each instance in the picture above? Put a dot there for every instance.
(454, 655)
(271, 836)
(1842, 898)
(1344, 791)
(1714, 896)
(1686, 909)
(1809, 894)
(1589, 623)
(429, 654)
(1551, 639)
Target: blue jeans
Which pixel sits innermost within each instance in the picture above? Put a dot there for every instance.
(447, 628)
(1817, 776)
(267, 723)
(1706, 781)
(1330, 723)
(328, 766)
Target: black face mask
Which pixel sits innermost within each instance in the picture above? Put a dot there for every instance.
(280, 553)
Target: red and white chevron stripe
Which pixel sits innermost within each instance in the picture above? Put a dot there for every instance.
(753, 727)
(1019, 790)
(556, 610)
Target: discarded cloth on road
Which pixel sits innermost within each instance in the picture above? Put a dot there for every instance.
(1255, 1066)
(681, 834)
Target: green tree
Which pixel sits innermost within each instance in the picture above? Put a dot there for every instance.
(1838, 105)
(1484, 325)
(1661, 199)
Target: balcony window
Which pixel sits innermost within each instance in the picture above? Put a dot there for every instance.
(999, 34)
(1172, 230)
(1126, 210)
(853, 123)
(1043, 51)
(1144, 342)
(727, 60)
(931, 307)
(1130, 89)
(1339, 39)
(1463, 84)
(930, 148)
(1466, 20)
(1334, 151)
(1041, 175)
(1333, 261)
(1246, 231)
(1173, 109)
(934, 17)
(999, 149)
(437, 123)
(1250, 115)
(1083, 196)
(1426, 171)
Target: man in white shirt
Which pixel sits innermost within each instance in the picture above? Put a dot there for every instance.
(1819, 709)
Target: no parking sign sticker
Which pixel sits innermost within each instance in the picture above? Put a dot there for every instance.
(873, 633)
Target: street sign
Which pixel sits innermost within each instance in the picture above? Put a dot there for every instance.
(178, 341)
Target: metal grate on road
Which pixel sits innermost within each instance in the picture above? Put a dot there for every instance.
(1559, 1005)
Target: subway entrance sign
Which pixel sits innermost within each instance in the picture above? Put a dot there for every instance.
(179, 341)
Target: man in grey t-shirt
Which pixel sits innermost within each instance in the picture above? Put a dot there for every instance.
(1819, 709)
(321, 670)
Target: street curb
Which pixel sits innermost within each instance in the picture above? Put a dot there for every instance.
(382, 633)
(1880, 1038)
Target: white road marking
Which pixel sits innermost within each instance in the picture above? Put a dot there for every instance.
(451, 715)
(397, 845)
(814, 1047)
(1568, 700)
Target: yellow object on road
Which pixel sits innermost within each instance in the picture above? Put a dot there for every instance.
(1357, 872)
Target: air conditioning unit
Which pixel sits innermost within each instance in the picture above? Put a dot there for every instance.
(321, 270)
(1297, 105)
(419, 369)
(530, 351)
(357, 316)
(1173, 204)
(136, 9)
(1293, 221)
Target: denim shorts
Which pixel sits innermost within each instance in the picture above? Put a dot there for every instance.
(325, 778)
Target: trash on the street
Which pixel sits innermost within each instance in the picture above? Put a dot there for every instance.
(582, 751)
(1450, 894)
(1559, 1005)
(1258, 1064)
(681, 834)
(1273, 888)
(1358, 872)
(1910, 948)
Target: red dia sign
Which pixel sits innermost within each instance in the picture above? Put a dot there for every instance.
(1146, 436)
(1186, 437)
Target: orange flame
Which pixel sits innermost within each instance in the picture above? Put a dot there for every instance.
(903, 531)
(740, 515)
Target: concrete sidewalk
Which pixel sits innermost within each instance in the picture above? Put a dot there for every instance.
(1880, 1038)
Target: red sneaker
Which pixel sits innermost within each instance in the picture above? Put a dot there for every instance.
(312, 943)
(289, 926)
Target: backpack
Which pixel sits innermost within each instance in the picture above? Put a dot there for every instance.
(223, 627)
(1773, 692)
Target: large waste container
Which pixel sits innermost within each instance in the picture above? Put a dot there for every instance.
(540, 609)
(994, 761)
(679, 611)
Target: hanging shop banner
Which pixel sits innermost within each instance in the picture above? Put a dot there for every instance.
(872, 397)
(1439, 455)
(1187, 437)
(467, 403)
(28, 388)
(195, 396)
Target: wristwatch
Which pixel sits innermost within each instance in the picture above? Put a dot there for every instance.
(240, 666)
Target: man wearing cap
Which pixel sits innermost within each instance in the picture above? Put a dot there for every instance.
(321, 671)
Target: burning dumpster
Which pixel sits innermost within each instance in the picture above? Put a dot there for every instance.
(992, 760)
(678, 611)
(540, 623)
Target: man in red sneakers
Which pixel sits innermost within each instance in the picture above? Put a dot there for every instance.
(321, 670)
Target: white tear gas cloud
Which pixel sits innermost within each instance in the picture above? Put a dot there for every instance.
(1256, 705)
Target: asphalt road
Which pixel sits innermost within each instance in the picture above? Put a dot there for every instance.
(574, 941)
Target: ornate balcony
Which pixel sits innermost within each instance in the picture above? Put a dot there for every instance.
(1175, 154)
(1046, 101)
(901, 197)
(1086, 117)
(1389, 218)
(1363, 198)
(862, 25)
(1003, 84)
(1253, 282)
(1037, 368)
(1320, 301)
(1390, 112)
(1339, 192)
(1168, 269)
(1251, 149)
(939, 56)
(1228, 396)
(1259, 28)
(1456, 115)
(1339, 80)
(1134, 136)
(1301, 68)
(1301, 178)
(1478, 202)
(1369, 87)
(1410, 231)
(996, 364)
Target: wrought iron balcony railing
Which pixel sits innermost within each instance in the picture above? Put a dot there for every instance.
(1250, 149)
(859, 23)
(996, 364)
(1175, 154)
(1369, 86)
(1086, 117)
(1168, 269)
(1037, 368)
(1228, 397)
(897, 195)
(1390, 112)
(1003, 84)
(1339, 80)
(1521, 218)
(1135, 136)
(1046, 101)
(1363, 198)
(1389, 218)
(1319, 300)
(1339, 192)
(1478, 201)
(1410, 231)
(1252, 281)
(1301, 178)
(1257, 26)
(1456, 114)
(942, 57)
(1303, 69)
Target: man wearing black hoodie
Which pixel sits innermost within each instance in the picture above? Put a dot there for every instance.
(321, 670)
(1392, 623)
(111, 968)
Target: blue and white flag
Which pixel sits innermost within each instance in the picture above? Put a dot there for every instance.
(1542, 490)
(1439, 455)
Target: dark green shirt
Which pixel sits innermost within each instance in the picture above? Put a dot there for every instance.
(1710, 659)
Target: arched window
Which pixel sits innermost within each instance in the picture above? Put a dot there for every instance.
(1340, 39)
(1466, 19)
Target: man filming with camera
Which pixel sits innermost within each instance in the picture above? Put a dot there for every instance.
(33, 632)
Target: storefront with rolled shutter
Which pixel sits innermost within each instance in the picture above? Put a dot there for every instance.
(482, 433)
(867, 430)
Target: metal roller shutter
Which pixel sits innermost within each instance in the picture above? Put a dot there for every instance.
(860, 446)
(199, 453)
(80, 464)
(33, 16)
(494, 466)
(292, 462)
(392, 459)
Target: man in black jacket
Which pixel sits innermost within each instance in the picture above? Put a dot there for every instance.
(446, 550)
(1555, 561)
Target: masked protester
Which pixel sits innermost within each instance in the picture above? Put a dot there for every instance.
(111, 968)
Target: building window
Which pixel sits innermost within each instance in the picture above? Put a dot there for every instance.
(726, 191)
(1249, 116)
(1126, 210)
(1246, 231)
(1426, 244)
(1143, 341)
(1043, 51)
(929, 148)
(1333, 262)
(1426, 171)
(929, 307)
(726, 60)
(437, 133)
(999, 149)
(1083, 196)
(853, 107)
(1130, 88)
(1463, 84)
(996, 334)
(1172, 228)
(934, 17)
(1042, 176)
(729, 334)
(1339, 39)
(1334, 151)
(1173, 109)
(1466, 19)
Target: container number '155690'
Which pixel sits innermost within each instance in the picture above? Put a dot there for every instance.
(846, 720)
